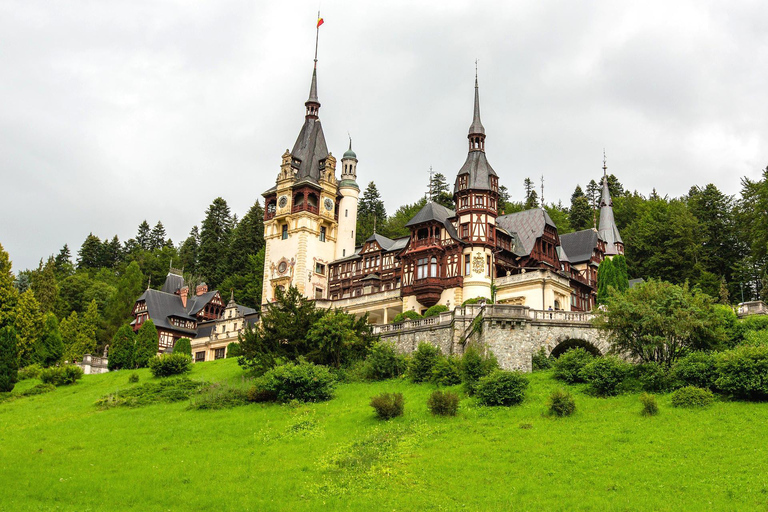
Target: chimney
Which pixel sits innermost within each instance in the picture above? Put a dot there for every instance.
(183, 293)
(201, 289)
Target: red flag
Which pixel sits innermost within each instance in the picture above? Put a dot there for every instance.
(320, 21)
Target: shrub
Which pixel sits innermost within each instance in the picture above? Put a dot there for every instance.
(435, 310)
(561, 403)
(650, 407)
(447, 371)
(39, 390)
(696, 369)
(166, 390)
(653, 377)
(406, 315)
(220, 395)
(183, 346)
(540, 360)
(384, 362)
(422, 362)
(30, 372)
(569, 365)
(233, 350)
(145, 346)
(743, 372)
(605, 375)
(388, 405)
(443, 403)
(474, 367)
(259, 394)
(474, 300)
(170, 364)
(133, 378)
(501, 388)
(9, 359)
(691, 396)
(300, 381)
(61, 375)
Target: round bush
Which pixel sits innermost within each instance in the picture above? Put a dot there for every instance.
(561, 403)
(650, 407)
(501, 388)
(170, 364)
(422, 362)
(443, 403)
(384, 362)
(388, 405)
(691, 396)
(541, 361)
(435, 310)
(447, 371)
(133, 378)
(30, 372)
(696, 369)
(61, 375)
(234, 350)
(743, 372)
(183, 346)
(569, 365)
(301, 381)
(605, 375)
(474, 366)
(406, 315)
(653, 377)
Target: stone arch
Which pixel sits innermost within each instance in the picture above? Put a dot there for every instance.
(566, 344)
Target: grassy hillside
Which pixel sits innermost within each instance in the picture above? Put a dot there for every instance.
(59, 452)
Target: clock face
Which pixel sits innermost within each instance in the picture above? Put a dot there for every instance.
(282, 201)
(328, 204)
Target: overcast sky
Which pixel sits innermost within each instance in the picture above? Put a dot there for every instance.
(118, 111)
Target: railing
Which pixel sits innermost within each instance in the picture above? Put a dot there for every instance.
(433, 321)
(562, 316)
(534, 275)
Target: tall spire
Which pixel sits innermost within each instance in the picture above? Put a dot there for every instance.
(607, 229)
(476, 130)
(313, 104)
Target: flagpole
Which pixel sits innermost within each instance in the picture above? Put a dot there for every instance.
(317, 37)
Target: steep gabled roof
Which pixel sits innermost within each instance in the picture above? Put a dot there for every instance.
(310, 149)
(173, 282)
(528, 226)
(579, 245)
(384, 242)
(435, 212)
(608, 230)
(197, 303)
(162, 305)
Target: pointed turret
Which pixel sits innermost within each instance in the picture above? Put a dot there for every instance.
(608, 231)
(476, 173)
(310, 150)
(313, 104)
(476, 129)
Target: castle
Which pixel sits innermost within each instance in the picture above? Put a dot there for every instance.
(449, 256)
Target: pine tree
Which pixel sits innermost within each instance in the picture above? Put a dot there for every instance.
(247, 239)
(214, 242)
(89, 255)
(157, 236)
(120, 305)
(580, 212)
(531, 197)
(621, 272)
(440, 191)
(593, 194)
(121, 350)
(45, 287)
(28, 326)
(606, 279)
(146, 345)
(79, 333)
(370, 213)
(189, 250)
(111, 253)
(50, 347)
(8, 293)
(143, 236)
(9, 361)
(64, 266)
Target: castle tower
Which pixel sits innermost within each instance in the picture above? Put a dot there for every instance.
(301, 212)
(476, 195)
(345, 245)
(607, 230)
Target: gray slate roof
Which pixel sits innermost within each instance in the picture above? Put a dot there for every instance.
(579, 245)
(310, 148)
(477, 126)
(478, 169)
(607, 227)
(162, 305)
(172, 283)
(384, 242)
(435, 212)
(527, 225)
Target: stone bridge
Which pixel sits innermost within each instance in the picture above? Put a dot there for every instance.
(512, 333)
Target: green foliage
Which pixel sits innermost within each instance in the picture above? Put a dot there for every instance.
(9, 361)
(215, 233)
(654, 377)
(474, 300)
(370, 211)
(8, 293)
(691, 396)
(384, 362)
(233, 350)
(39, 389)
(301, 381)
(621, 273)
(165, 391)
(606, 279)
(121, 350)
(79, 333)
(443, 403)
(569, 365)
(61, 375)
(133, 378)
(406, 315)
(658, 321)
(475, 366)
(388, 405)
(650, 407)
(30, 372)
(605, 375)
(447, 371)
(581, 212)
(49, 348)
(167, 365)
(219, 395)
(145, 347)
(45, 287)
(561, 403)
(743, 372)
(338, 338)
(541, 361)
(695, 369)
(435, 310)
(183, 346)
(422, 362)
(501, 388)
(28, 324)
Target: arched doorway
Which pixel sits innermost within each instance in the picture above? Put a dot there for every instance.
(565, 346)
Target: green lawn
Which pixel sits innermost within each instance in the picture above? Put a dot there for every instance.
(59, 452)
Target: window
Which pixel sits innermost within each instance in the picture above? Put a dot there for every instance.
(433, 267)
(285, 231)
(467, 266)
(343, 252)
(488, 266)
(465, 231)
(479, 201)
(346, 213)
(200, 356)
(421, 268)
(322, 234)
(318, 293)
(490, 231)
(320, 268)
(271, 208)
(218, 353)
